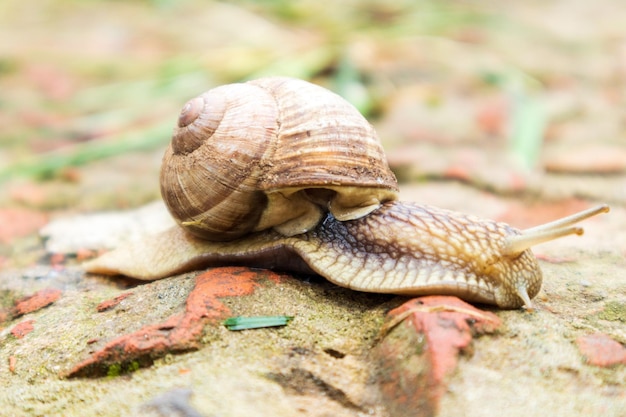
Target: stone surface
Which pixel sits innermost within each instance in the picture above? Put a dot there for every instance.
(164, 335)
(444, 82)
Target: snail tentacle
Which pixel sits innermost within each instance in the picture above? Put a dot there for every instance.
(520, 290)
(516, 244)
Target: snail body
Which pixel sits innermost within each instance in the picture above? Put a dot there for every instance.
(281, 174)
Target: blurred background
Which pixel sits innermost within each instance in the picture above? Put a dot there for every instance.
(524, 98)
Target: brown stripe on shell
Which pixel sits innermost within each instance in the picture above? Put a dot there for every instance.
(322, 140)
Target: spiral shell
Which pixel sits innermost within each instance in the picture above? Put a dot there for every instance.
(272, 153)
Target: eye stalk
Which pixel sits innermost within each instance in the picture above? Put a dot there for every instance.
(517, 244)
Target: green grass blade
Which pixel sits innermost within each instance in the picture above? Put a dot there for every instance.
(244, 323)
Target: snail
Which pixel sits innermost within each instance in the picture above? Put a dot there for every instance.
(280, 173)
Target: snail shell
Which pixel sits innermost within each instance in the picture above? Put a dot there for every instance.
(279, 173)
(272, 153)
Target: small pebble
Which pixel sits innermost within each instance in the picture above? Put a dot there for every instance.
(173, 403)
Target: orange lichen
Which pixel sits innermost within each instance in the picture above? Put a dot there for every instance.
(34, 302)
(415, 361)
(109, 304)
(600, 350)
(180, 332)
(12, 363)
(22, 329)
(18, 222)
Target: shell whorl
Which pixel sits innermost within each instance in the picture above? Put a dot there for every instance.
(219, 168)
(274, 152)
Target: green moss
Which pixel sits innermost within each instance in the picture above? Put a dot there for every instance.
(114, 370)
(118, 369)
(613, 311)
(133, 366)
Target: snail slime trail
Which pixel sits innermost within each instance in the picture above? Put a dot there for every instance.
(278, 173)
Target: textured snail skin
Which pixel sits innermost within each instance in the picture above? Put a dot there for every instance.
(401, 248)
